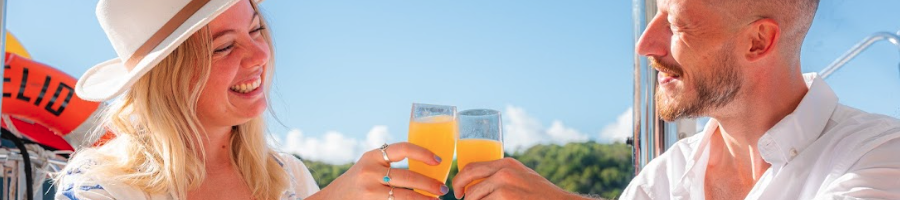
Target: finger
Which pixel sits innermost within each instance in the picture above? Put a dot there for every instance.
(480, 190)
(408, 179)
(475, 171)
(494, 196)
(402, 150)
(407, 194)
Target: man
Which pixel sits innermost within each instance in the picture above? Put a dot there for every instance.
(775, 134)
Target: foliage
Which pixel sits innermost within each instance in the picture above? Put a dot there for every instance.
(325, 173)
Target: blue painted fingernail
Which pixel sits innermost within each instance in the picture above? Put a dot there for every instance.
(437, 158)
(444, 189)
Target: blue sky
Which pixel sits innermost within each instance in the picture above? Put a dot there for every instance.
(348, 71)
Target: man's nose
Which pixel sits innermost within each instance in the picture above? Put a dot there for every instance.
(655, 39)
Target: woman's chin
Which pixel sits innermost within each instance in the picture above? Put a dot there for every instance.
(248, 108)
(242, 116)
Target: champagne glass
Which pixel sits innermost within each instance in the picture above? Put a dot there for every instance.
(434, 128)
(481, 138)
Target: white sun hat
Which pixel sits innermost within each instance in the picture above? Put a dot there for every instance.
(142, 32)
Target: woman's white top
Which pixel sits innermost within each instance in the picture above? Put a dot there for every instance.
(78, 186)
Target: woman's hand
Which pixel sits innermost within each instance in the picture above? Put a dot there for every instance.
(365, 180)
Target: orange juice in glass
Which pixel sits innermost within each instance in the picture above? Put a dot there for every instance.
(477, 150)
(434, 128)
(481, 138)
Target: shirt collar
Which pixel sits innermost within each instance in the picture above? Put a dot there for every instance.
(696, 165)
(781, 143)
(797, 130)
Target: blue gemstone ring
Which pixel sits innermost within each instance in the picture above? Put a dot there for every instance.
(387, 177)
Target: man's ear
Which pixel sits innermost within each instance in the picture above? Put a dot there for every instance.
(763, 34)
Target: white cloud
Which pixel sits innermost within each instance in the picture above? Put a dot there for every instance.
(333, 147)
(377, 136)
(620, 130)
(523, 131)
(562, 133)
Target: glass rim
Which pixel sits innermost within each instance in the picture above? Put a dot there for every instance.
(417, 116)
(432, 105)
(479, 112)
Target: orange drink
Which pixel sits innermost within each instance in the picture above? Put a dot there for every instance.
(436, 131)
(481, 138)
(477, 150)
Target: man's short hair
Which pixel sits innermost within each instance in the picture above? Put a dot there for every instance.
(793, 16)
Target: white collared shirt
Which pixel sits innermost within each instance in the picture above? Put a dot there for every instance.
(823, 150)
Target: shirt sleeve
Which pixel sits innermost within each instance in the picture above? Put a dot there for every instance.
(302, 180)
(78, 188)
(649, 183)
(77, 185)
(874, 176)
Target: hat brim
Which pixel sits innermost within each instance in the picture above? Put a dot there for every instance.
(109, 79)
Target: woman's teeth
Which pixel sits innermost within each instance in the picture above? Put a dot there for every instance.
(246, 87)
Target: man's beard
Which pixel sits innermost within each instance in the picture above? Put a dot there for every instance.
(715, 89)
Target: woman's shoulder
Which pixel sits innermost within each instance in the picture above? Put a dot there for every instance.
(302, 181)
(75, 182)
(290, 162)
(80, 179)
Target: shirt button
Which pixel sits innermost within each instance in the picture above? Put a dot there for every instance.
(793, 152)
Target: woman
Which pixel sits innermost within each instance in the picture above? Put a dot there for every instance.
(193, 76)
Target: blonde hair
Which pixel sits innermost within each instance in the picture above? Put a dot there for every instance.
(158, 146)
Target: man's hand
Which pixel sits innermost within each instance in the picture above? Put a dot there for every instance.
(505, 179)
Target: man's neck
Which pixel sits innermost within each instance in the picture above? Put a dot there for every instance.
(737, 155)
(749, 117)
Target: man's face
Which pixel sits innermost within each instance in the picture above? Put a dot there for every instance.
(693, 49)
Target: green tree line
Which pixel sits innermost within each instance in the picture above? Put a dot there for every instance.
(583, 168)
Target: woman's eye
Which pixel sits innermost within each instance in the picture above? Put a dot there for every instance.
(258, 29)
(224, 49)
